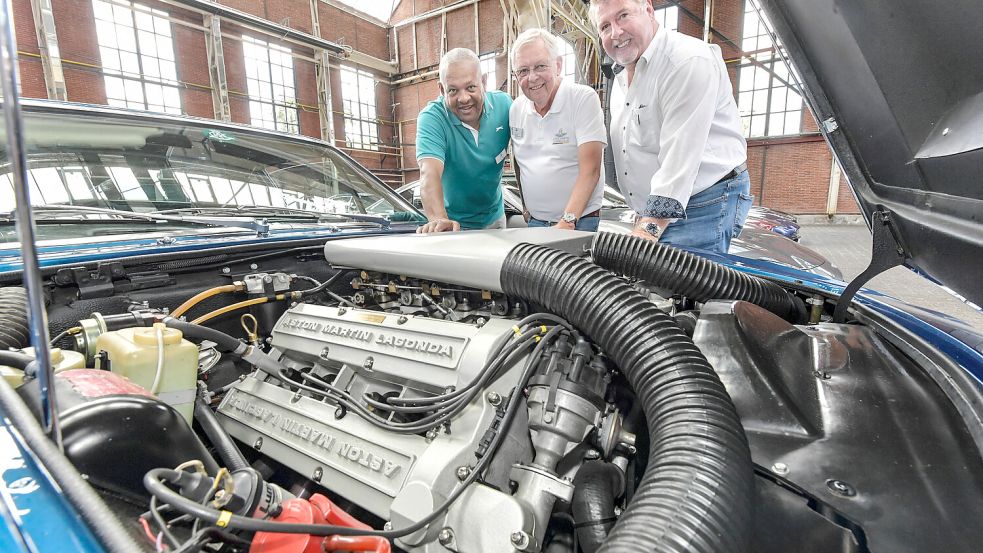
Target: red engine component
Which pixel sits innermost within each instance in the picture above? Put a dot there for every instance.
(316, 510)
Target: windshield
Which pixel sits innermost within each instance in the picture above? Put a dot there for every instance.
(144, 165)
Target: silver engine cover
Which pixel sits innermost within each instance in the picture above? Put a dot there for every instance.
(399, 477)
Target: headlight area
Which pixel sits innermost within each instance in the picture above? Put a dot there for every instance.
(494, 391)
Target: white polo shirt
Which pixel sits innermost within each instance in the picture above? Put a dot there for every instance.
(676, 131)
(545, 148)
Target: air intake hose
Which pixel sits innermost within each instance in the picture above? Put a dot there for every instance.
(596, 486)
(696, 492)
(690, 275)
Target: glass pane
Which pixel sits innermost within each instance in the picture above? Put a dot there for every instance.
(793, 122)
(126, 38)
(778, 98)
(758, 125)
(129, 63)
(134, 91)
(106, 33)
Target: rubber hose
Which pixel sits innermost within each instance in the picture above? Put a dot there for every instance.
(696, 492)
(227, 450)
(15, 359)
(689, 274)
(225, 342)
(595, 489)
(14, 330)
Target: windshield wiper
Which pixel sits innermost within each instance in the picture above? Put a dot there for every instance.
(288, 212)
(260, 226)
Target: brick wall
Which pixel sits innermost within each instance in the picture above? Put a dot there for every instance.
(792, 175)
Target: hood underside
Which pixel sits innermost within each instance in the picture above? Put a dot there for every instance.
(897, 86)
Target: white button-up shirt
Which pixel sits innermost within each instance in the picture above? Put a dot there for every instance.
(677, 131)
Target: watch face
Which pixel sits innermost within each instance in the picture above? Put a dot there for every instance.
(569, 218)
(652, 229)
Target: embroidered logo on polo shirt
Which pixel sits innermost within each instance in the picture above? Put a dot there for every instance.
(499, 128)
(516, 131)
(561, 137)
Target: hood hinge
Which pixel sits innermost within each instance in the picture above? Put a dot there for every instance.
(887, 252)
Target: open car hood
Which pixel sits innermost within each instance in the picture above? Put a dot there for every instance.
(897, 86)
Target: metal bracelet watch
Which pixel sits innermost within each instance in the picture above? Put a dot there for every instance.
(653, 229)
(569, 218)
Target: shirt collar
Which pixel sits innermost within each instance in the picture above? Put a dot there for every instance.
(658, 43)
(559, 101)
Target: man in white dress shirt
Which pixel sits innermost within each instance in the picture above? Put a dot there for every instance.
(676, 137)
(558, 137)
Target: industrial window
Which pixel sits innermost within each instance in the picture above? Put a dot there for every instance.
(668, 18)
(358, 99)
(488, 67)
(768, 105)
(569, 56)
(270, 82)
(137, 52)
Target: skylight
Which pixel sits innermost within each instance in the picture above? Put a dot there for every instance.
(379, 9)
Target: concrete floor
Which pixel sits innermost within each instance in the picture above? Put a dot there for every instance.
(848, 247)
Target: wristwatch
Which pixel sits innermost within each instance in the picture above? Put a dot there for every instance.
(569, 218)
(653, 229)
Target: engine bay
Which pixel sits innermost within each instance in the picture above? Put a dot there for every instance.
(498, 392)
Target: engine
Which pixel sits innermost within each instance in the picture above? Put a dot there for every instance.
(389, 459)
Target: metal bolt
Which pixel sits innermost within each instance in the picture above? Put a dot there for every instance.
(402, 319)
(463, 472)
(431, 434)
(340, 413)
(841, 488)
(632, 450)
(253, 266)
(519, 539)
(226, 270)
(258, 444)
(446, 536)
(387, 526)
(368, 362)
(822, 375)
(325, 353)
(494, 398)
(592, 454)
(780, 469)
(342, 311)
(945, 131)
(480, 322)
(318, 473)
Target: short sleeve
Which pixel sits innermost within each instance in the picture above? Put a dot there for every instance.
(431, 139)
(589, 118)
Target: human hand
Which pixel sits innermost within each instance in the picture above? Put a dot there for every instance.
(565, 225)
(439, 225)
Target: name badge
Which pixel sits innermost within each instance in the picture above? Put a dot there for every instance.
(561, 137)
(501, 156)
(517, 132)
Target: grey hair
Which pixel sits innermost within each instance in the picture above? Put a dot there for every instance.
(531, 35)
(595, 4)
(457, 55)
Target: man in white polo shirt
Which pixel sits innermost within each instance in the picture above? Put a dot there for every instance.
(558, 138)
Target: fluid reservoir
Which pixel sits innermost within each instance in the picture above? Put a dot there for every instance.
(61, 360)
(133, 353)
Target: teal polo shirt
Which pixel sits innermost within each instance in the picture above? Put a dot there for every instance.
(472, 171)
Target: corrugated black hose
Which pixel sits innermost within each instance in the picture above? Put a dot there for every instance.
(14, 330)
(690, 275)
(595, 488)
(696, 492)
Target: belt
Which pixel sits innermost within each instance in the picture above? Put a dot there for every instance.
(734, 172)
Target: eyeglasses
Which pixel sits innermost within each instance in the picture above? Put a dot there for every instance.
(539, 68)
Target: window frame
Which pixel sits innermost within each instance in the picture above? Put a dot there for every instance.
(271, 85)
(358, 113)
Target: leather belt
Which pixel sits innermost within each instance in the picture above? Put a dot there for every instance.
(734, 172)
(595, 213)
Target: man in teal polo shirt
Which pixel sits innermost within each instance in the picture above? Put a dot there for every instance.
(461, 142)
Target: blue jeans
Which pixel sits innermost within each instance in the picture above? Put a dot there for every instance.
(584, 223)
(713, 216)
